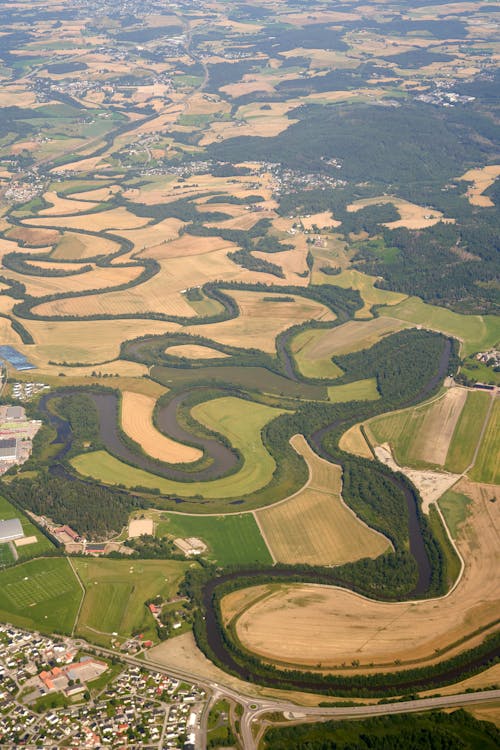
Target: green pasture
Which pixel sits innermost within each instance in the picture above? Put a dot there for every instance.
(240, 421)
(487, 465)
(455, 508)
(41, 594)
(8, 511)
(231, 539)
(477, 332)
(467, 432)
(116, 591)
(480, 372)
(359, 390)
(400, 429)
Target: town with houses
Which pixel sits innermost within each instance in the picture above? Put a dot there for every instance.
(54, 693)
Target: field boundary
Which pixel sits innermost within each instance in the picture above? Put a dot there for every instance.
(84, 592)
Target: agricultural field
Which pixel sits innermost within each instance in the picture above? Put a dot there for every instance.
(487, 464)
(477, 332)
(240, 421)
(195, 351)
(359, 390)
(41, 545)
(232, 539)
(295, 623)
(116, 591)
(455, 507)
(411, 215)
(481, 180)
(442, 433)
(315, 526)
(353, 441)
(137, 422)
(41, 594)
(365, 285)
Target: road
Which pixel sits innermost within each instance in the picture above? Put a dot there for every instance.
(254, 708)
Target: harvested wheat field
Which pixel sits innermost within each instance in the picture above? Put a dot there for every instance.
(155, 234)
(87, 341)
(187, 246)
(315, 526)
(62, 205)
(97, 278)
(74, 246)
(306, 624)
(321, 220)
(481, 180)
(262, 317)
(353, 441)
(412, 216)
(137, 422)
(115, 219)
(33, 237)
(195, 351)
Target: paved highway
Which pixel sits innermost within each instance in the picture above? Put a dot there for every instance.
(255, 708)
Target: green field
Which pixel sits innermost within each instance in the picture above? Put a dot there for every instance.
(6, 555)
(309, 367)
(455, 509)
(231, 539)
(115, 592)
(8, 511)
(40, 595)
(478, 332)
(360, 390)
(467, 432)
(353, 279)
(399, 429)
(240, 421)
(487, 465)
(480, 372)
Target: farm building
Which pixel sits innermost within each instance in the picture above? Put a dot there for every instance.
(8, 449)
(10, 530)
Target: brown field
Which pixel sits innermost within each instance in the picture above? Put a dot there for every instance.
(354, 442)
(73, 246)
(439, 425)
(264, 127)
(316, 526)
(321, 220)
(187, 246)
(260, 322)
(412, 216)
(481, 180)
(156, 234)
(97, 194)
(195, 351)
(137, 422)
(98, 278)
(34, 237)
(116, 218)
(163, 293)
(311, 624)
(84, 165)
(64, 205)
(87, 341)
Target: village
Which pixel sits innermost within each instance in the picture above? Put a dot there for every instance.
(53, 693)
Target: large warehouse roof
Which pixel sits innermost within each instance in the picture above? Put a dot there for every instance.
(10, 530)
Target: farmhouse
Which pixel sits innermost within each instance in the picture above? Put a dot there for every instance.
(10, 530)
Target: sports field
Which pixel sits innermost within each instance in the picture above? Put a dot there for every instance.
(477, 332)
(487, 465)
(359, 390)
(115, 592)
(315, 526)
(7, 511)
(41, 594)
(240, 421)
(231, 539)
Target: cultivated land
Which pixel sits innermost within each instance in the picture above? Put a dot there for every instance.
(481, 180)
(467, 432)
(315, 526)
(195, 351)
(425, 435)
(412, 216)
(240, 421)
(477, 332)
(365, 285)
(116, 591)
(360, 390)
(41, 594)
(306, 624)
(137, 422)
(487, 464)
(353, 441)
